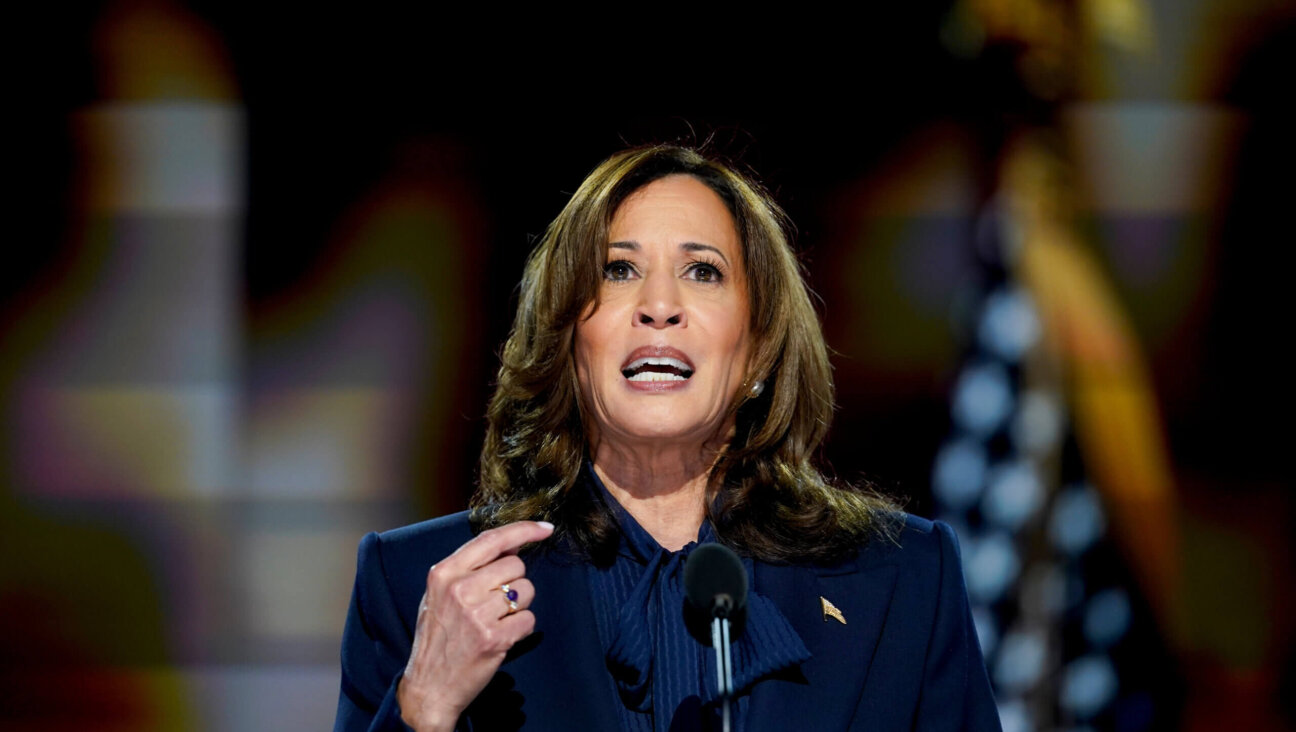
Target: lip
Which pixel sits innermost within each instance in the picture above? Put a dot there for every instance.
(657, 352)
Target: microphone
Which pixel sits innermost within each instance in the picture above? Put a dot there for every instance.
(715, 583)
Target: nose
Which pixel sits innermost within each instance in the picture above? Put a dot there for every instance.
(659, 305)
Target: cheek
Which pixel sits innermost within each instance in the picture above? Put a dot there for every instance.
(581, 357)
(738, 336)
(595, 332)
(587, 356)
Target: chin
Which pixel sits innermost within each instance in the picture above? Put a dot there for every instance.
(669, 429)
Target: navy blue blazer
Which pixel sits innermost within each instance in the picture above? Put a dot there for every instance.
(907, 657)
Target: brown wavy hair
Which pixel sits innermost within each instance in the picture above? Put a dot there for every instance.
(768, 497)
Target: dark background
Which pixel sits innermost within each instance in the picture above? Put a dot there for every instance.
(491, 119)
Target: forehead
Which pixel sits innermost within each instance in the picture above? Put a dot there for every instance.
(678, 207)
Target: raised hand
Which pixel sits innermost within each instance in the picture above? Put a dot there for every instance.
(467, 622)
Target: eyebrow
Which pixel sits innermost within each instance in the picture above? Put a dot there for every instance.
(688, 246)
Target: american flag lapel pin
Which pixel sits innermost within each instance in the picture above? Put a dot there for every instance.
(830, 611)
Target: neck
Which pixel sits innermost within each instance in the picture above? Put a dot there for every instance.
(663, 487)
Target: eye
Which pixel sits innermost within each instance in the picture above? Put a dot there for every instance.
(704, 272)
(618, 271)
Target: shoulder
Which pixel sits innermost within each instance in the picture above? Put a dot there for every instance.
(912, 542)
(925, 556)
(399, 559)
(435, 537)
(906, 540)
(918, 558)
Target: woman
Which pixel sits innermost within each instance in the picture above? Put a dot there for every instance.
(666, 383)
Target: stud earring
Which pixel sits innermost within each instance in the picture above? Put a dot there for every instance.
(757, 388)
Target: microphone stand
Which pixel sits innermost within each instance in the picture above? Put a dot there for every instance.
(724, 661)
(715, 583)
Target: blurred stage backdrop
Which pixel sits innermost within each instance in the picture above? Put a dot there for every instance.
(271, 255)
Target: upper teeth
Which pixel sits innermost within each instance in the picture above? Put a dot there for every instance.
(639, 363)
(638, 369)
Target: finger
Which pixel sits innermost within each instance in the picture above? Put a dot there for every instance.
(490, 544)
(495, 603)
(498, 634)
(505, 598)
(476, 589)
(503, 601)
(517, 626)
(505, 569)
(524, 593)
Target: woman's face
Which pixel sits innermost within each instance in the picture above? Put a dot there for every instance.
(664, 353)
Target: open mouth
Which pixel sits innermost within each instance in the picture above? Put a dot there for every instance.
(657, 368)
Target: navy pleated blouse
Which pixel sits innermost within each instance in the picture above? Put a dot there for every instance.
(665, 679)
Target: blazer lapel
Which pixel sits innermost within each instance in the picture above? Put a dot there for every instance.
(826, 692)
(545, 683)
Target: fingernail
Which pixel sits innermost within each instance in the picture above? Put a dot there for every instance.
(545, 524)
